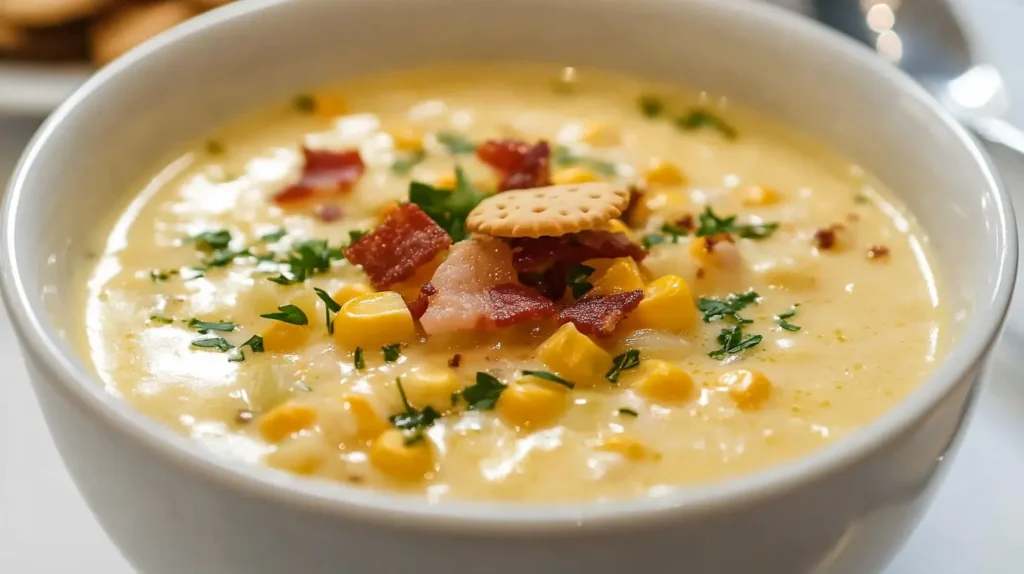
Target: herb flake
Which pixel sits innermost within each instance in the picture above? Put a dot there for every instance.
(715, 309)
(483, 395)
(625, 411)
(290, 314)
(576, 279)
(699, 119)
(709, 224)
(358, 361)
(624, 362)
(205, 327)
(219, 343)
(733, 342)
(548, 376)
(404, 163)
(651, 106)
(392, 352)
(449, 209)
(330, 306)
(274, 236)
(783, 319)
(457, 144)
(563, 157)
(413, 420)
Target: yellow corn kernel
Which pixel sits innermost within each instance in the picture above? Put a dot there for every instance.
(431, 386)
(759, 195)
(623, 445)
(302, 455)
(574, 174)
(664, 173)
(386, 209)
(661, 381)
(330, 106)
(703, 249)
(369, 424)
(373, 320)
(667, 306)
(281, 337)
(617, 226)
(532, 403)
(748, 389)
(392, 456)
(600, 134)
(668, 203)
(573, 356)
(286, 419)
(350, 291)
(612, 276)
(407, 138)
(446, 181)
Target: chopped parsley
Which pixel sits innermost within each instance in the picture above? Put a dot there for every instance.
(412, 420)
(212, 240)
(651, 106)
(783, 319)
(330, 306)
(158, 276)
(274, 236)
(288, 314)
(861, 199)
(224, 258)
(564, 157)
(219, 343)
(205, 327)
(449, 209)
(255, 343)
(391, 352)
(485, 393)
(715, 309)
(669, 232)
(359, 361)
(161, 319)
(355, 235)
(700, 119)
(624, 362)
(711, 224)
(547, 376)
(457, 144)
(652, 239)
(733, 342)
(628, 412)
(215, 147)
(306, 259)
(404, 163)
(305, 103)
(576, 279)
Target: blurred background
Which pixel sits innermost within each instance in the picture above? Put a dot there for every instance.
(966, 52)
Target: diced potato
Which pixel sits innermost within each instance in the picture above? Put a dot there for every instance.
(573, 356)
(407, 138)
(624, 445)
(664, 173)
(660, 381)
(302, 455)
(369, 424)
(285, 420)
(667, 306)
(749, 389)
(281, 337)
(612, 276)
(410, 462)
(532, 403)
(757, 195)
(574, 174)
(600, 134)
(431, 386)
(373, 320)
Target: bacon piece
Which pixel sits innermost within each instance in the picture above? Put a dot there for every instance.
(600, 314)
(476, 288)
(522, 166)
(406, 240)
(324, 173)
(418, 306)
(538, 254)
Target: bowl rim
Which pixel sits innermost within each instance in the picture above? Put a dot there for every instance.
(70, 376)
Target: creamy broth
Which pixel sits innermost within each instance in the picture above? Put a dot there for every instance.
(868, 326)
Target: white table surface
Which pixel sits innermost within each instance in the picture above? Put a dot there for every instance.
(975, 526)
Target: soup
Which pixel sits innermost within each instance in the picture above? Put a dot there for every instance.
(321, 288)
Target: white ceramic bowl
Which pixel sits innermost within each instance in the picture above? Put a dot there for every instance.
(174, 508)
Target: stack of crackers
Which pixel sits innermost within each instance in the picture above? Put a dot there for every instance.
(96, 30)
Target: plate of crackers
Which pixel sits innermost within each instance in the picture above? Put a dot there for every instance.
(49, 47)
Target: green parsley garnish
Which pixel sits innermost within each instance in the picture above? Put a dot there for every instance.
(457, 144)
(215, 147)
(733, 342)
(711, 224)
(161, 319)
(288, 314)
(485, 393)
(391, 352)
(652, 239)
(219, 343)
(788, 315)
(628, 412)
(715, 309)
(355, 235)
(448, 209)
(212, 240)
(205, 327)
(860, 198)
(274, 236)
(624, 362)
(547, 376)
(576, 279)
(224, 258)
(330, 306)
(651, 106)
(699, 119)
(412, 420)
(404, 163)
(358, 361)
(306, 259)
(158, 276)
(255, 343)
(564, 157)
(304, 103)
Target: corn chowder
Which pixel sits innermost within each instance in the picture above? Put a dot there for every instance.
(301, 290)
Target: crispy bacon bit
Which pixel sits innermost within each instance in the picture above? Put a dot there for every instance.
(700, 273)
(522, 166)
(878, 252)
(406, 240)
(600, 314)
(686, 222)
(455, 361)
(418, 306)
(513, 303)
(537, 255)
(826, 237)
(324, 173)
(328, 212)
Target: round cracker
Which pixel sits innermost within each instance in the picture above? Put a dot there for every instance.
(554, 210)
(40, 13)
(131, 25)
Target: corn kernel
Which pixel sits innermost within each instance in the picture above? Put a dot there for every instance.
(431, 386)
(661, 381)
(573, 356)
(281, 337)
(667, 306)
(623, 445)
(759, 195)
(330, 106)
(392, 456)
(749, 389)
(668, 203)
(386, 209)
(446, 181)
(373, 320)
(600, 134)
(286, 419)
(532, 403)
(574, 174)
(663, 173)
(369, 424)
(302, 455)
(350, 291)
(612, 276)
(407, 138)
(617, 226)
